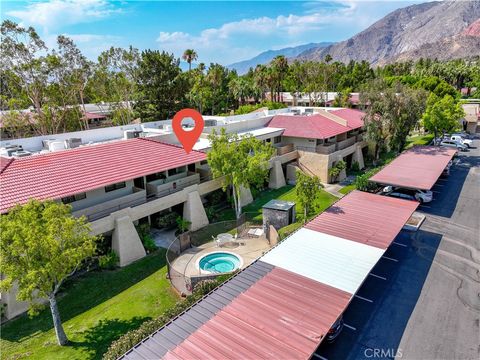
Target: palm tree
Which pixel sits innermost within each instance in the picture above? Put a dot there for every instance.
(189, 55)
(279, 66)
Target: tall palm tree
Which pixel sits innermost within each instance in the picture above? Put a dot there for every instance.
(189, 55)
(279, 66)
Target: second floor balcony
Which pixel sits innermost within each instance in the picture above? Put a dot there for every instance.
(163, 187)
(136, 197)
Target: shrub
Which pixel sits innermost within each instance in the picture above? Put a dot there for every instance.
(337, 169)
(363, 183)
(355, 166)
(109, 260)
(168, 220)
(133, 337)
(148, 243)
(182, 224)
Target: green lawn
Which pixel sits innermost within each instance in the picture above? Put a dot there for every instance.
(254, 210)
(418, 140)
(96, 309)
(346, 189)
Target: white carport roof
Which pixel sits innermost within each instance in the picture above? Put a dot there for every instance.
(331, 260)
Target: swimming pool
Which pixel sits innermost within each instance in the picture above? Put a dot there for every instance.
(219, 262)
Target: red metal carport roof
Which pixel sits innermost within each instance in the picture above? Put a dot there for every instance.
(366, 218)
(416, 168)
(282, 316)
(68, 172)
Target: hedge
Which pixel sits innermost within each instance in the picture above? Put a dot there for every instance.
(133, 337)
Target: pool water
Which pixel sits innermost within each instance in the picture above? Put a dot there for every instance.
(219, 262)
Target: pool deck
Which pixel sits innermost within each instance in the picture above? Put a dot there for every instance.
(249, 249)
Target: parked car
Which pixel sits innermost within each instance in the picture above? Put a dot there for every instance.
(455, 144)
(335, 330)
(422, 196)
(462, 140)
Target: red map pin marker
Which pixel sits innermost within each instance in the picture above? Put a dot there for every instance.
(188, 138)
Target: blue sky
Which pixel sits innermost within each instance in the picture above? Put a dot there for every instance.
(220, 31)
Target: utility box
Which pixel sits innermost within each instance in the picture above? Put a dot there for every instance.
(278, 213)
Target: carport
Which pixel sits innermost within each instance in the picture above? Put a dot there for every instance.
(416, 168)
(283, 305)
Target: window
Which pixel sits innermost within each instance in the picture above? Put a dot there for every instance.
(72, 198)
(191, 167)
(116, 186)
(178, 170)
(277, 139)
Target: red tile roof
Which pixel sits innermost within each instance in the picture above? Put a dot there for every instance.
(282, 316)
(366, 218)
(68, 172)
(353, 117)
(317, 126)
(91, 116)
(417, 168)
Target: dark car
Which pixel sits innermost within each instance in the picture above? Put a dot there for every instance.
(335, 330)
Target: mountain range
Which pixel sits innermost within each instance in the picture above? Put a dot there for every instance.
(265, 57)
(441, 30)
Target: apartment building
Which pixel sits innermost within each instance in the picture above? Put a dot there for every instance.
(322, 138)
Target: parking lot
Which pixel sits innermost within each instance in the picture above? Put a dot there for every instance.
(422, 299)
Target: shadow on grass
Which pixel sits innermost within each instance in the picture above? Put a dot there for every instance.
(84, 293)
(98, 338)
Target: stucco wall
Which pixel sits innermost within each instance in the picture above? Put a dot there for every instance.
(99, 196)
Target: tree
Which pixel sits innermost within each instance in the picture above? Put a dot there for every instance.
(442, 114)
(189, 55)
(307, 190)
(392, 114)
(41, 246)
(162, 88)
(243, 162)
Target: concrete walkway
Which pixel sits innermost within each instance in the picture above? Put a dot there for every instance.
(163, 238)
(333, 189)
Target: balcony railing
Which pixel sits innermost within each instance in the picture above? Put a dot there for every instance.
(284, 149)
(345, 143)
(157, 190)
(98, 211)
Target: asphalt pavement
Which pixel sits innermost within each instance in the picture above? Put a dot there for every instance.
(423, 300)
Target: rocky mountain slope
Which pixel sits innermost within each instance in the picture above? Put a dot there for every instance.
(434, 29)
(266, 56)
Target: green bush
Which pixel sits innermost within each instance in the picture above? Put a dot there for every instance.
(182, 224)
(363, 183)
(355, 166)
(109, 260)
(148, 243)
(167, 220)
(133, 337)
(337, 169)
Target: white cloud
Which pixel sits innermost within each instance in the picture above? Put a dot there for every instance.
(54, 14)
(224, 43)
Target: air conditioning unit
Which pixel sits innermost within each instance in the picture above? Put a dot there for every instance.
(21, 153)
(56, 146)
(46, 144)
(10, 149)
(73, 143)
(131, 134)
(211, 122)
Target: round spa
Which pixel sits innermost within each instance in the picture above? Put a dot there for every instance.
(219, 262)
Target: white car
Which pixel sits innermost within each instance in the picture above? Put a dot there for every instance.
(422, 196)
(462, 140)
(455, 144)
